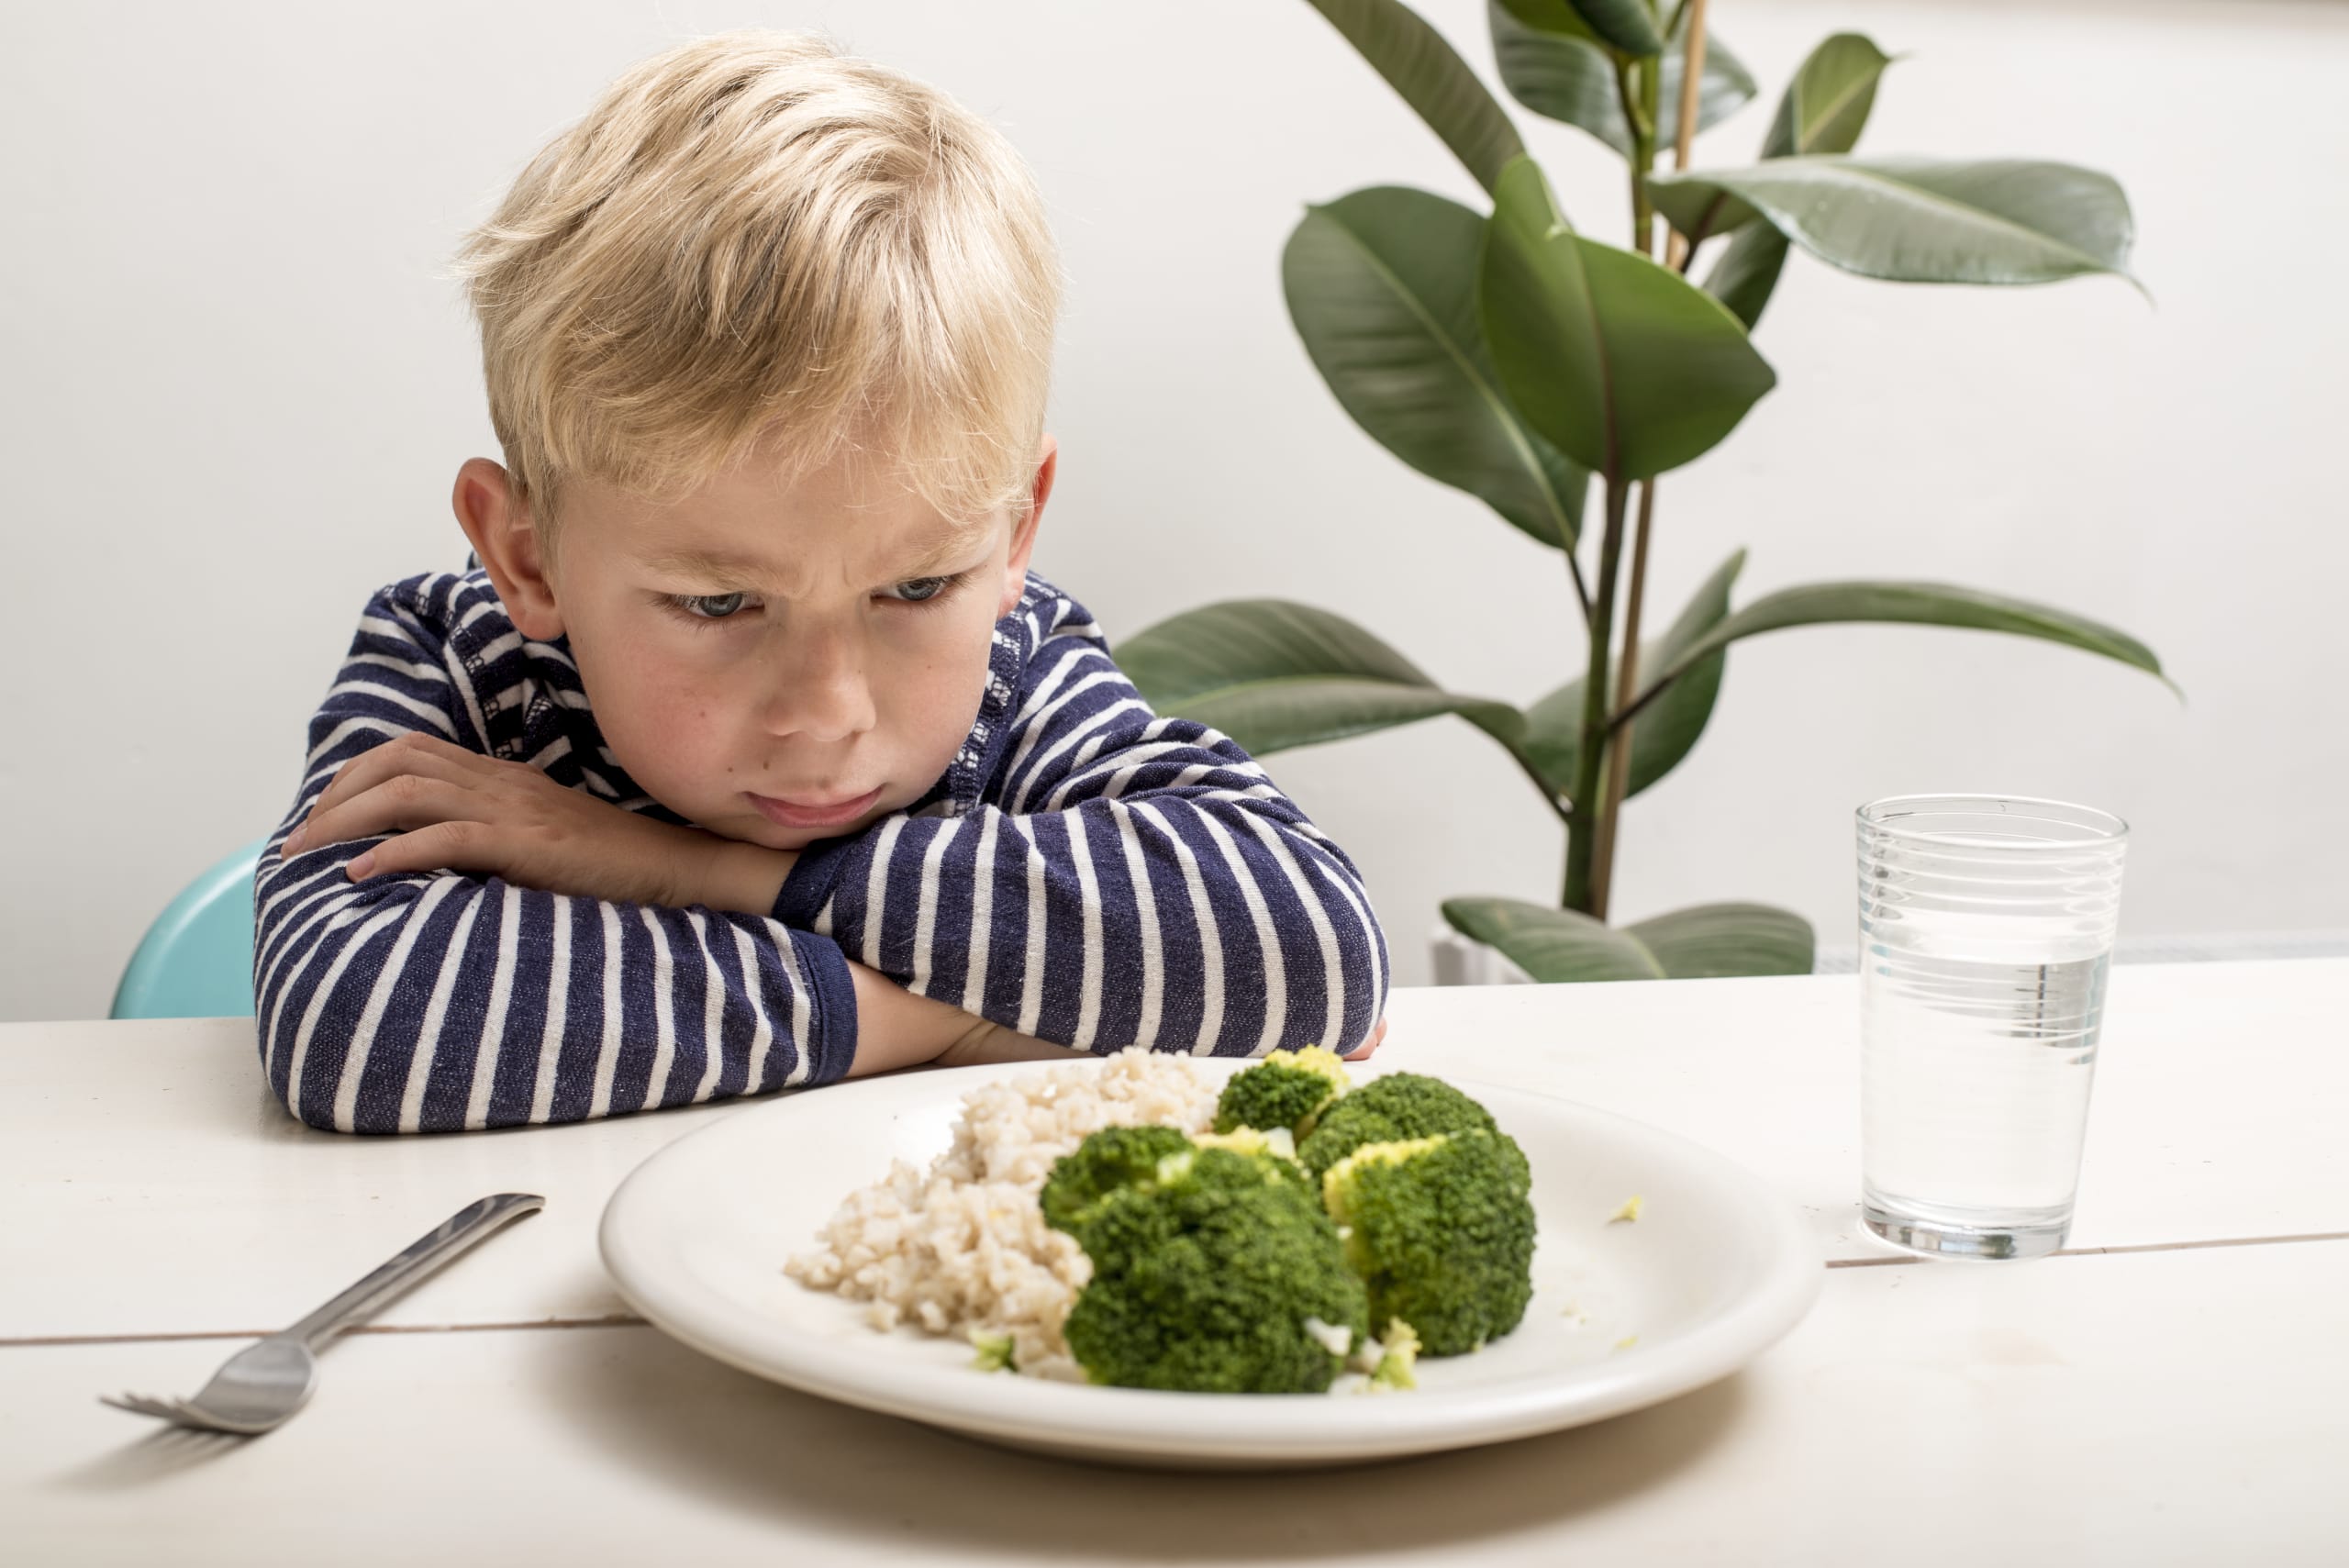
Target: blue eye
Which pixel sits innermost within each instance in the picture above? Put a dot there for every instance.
(921, 590)
(708, 607)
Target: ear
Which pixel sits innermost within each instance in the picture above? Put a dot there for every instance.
(1023, 533)
(499, 525)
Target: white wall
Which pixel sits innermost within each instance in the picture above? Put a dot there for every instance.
(236, 389)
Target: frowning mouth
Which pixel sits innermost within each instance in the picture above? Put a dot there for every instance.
(786, 813)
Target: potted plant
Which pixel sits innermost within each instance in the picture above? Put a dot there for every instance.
(1556, 377)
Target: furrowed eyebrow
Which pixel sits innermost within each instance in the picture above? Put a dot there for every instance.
(733, 572)
(933, 561)
(705, 566)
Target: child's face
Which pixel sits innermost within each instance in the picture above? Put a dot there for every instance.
(776, 662)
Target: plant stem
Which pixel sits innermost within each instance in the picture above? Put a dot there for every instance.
(1608, 817)
(1638, 98)
(1623, 717)
(1627, 678)
(1651, 90)
(1558, 803)
(1692, 74)
(1586, 820)
(1574, 570)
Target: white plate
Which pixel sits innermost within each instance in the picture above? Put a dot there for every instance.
(1715, 1270)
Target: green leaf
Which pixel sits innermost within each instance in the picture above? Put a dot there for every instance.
(1553, 944)
(1628, 26)
(1828, 102)
(1275, 674)
(1623, 365)
(1824, 109)
(1382, 287)
(1558, 17)
(1571, 77)
(1747, 273)
(1920, 603)
(1668, 729)
(1710, 940)
(1925, 220)
(1427, 71)
(1706, 942)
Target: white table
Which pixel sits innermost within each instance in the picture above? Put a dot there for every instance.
(2175, 1388)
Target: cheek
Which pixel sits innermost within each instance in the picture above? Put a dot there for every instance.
(663, 717)
(941, 678)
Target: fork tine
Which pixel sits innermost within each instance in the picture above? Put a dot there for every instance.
(178, 1412)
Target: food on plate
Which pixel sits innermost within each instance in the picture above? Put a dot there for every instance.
(961, 1248)
(1388, 1110)
(1387, 1362)
(1287, 1091)
(1440, 1230)
(1110, 1160)
(1248, 1140)
(1214, 1271)
(1085, 1224)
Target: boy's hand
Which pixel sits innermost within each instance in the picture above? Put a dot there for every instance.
(454, 809)
(1362, 1053)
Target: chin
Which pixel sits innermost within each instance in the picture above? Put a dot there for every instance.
(747, 827)
(767, 836)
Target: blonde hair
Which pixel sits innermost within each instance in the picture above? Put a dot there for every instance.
(755, 241)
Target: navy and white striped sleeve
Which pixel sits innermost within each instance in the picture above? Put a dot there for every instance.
(1126, 879)
(438, 1001)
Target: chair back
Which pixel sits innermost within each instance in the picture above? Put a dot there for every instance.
(197, 960)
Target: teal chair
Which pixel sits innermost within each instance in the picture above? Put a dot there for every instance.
(197, 960)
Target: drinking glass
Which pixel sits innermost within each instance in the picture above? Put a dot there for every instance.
(1985, 932)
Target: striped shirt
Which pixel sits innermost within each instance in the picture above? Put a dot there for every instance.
(1086, 872)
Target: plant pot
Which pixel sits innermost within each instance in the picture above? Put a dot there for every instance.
(1462, 960)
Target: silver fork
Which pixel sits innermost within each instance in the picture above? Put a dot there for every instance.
(261, 1386)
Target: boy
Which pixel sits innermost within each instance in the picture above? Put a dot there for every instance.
(752, 755)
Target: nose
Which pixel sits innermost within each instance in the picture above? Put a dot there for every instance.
(818, 689)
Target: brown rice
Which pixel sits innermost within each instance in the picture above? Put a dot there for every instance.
(963, 1249)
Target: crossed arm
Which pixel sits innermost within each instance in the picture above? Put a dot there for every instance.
(437, 807)
(450, 939)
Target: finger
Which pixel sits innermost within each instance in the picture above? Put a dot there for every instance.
(1362, 1053)
(406, 753)
(397, 804)
(443, 846)
(409, 755)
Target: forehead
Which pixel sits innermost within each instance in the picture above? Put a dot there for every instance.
(835, 527)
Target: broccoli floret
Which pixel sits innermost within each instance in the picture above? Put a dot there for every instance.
(1287, 1089)
(1391, 1358)
(1215, 1273)
(1249, 1140)
(1386, 1110)
(1113, 1158)
(1440, 1229)
(1275, 1153)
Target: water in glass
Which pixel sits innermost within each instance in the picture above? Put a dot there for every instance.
(1984, 958)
